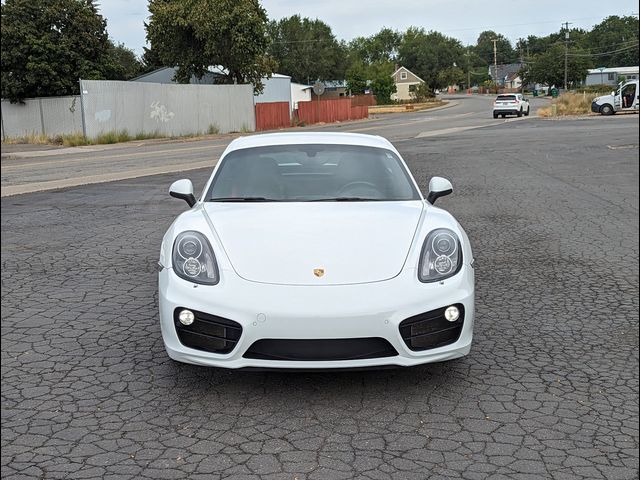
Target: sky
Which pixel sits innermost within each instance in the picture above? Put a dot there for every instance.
(353, 18)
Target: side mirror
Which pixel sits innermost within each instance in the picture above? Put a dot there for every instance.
(183, 189)
(438, 187)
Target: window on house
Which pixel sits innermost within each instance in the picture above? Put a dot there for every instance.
(403, 75)
(612, 76)
(412, 88)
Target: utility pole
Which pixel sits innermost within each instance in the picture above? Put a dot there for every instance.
(468, 54)
(566, 52)
(495, 62)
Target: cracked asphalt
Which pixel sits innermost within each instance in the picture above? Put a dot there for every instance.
(549, 390)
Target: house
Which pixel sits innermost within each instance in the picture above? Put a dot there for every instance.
(406, 81)
(506, 75)
(166, 75)
(299, 93)
(513, 81)
(333, 89)
(610, 76)
(277, 88)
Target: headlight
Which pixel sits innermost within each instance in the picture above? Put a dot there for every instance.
(441, 256)
(193, 258)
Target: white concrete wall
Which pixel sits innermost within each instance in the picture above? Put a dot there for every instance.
(166, 109)
(48, 116)
(276, 89)
(299, 94)
(402, 91)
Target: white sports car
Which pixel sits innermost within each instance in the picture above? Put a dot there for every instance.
(314, 250)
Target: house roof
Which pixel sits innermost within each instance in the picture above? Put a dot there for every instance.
(215, 70)
(334, 83)
(620, 70)
(407, 70)
(301, 86)
(504, 70)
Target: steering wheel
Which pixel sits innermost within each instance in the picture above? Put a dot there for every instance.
(359, 189)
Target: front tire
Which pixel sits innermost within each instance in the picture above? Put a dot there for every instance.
(495, 115)
(607, 109)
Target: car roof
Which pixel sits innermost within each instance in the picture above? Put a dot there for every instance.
(293, 138)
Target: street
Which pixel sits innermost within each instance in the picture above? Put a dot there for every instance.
(27, 172)
(549, 390)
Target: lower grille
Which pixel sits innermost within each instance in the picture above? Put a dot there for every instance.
(320, 349)
(208, 332)
(431, 330)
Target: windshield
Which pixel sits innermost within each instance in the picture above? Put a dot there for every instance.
(298, 173)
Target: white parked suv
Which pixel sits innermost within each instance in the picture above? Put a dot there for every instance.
(511, 104)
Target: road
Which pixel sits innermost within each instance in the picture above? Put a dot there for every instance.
(66, 167)
(549, 390)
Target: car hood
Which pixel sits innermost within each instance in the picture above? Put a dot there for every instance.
(603, 98)
(316, 243)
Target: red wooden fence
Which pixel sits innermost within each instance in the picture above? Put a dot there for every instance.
(329, 111)
(272, 115)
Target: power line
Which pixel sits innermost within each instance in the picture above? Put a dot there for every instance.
(603, 53)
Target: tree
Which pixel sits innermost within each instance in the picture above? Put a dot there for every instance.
(123, 63)
(196, 34)
(427, 54)
(357, 77)
(548, 67)
(421, 93)
(48, 45)
(618, 35)
(484, 48)
(376, 77)
(150, 59)
(379, 48)
(451, 76)
(306, 49)
(382, 82)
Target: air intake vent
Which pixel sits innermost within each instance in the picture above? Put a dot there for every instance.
(208, 332)
(321, 349)
(431, 330)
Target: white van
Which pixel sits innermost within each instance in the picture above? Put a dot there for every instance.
(624, 100)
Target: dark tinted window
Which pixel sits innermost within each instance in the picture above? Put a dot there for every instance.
(312, 173)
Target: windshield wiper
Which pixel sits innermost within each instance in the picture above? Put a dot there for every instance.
(348, 199)
(243, 199)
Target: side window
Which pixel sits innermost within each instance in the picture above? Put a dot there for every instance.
(403, 75)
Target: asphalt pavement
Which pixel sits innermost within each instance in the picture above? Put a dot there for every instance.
(549, 390)
(25, 170)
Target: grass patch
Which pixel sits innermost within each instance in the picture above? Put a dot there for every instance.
(77, 139)
(32, 138)
(213, 129)
(568, 104)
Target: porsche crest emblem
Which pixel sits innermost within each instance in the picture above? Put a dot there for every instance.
(318, 272)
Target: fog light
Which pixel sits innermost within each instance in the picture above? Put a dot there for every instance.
(452, 313)
(187, 317)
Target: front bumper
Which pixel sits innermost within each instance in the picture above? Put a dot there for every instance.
(267, 311)
(595, 108)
